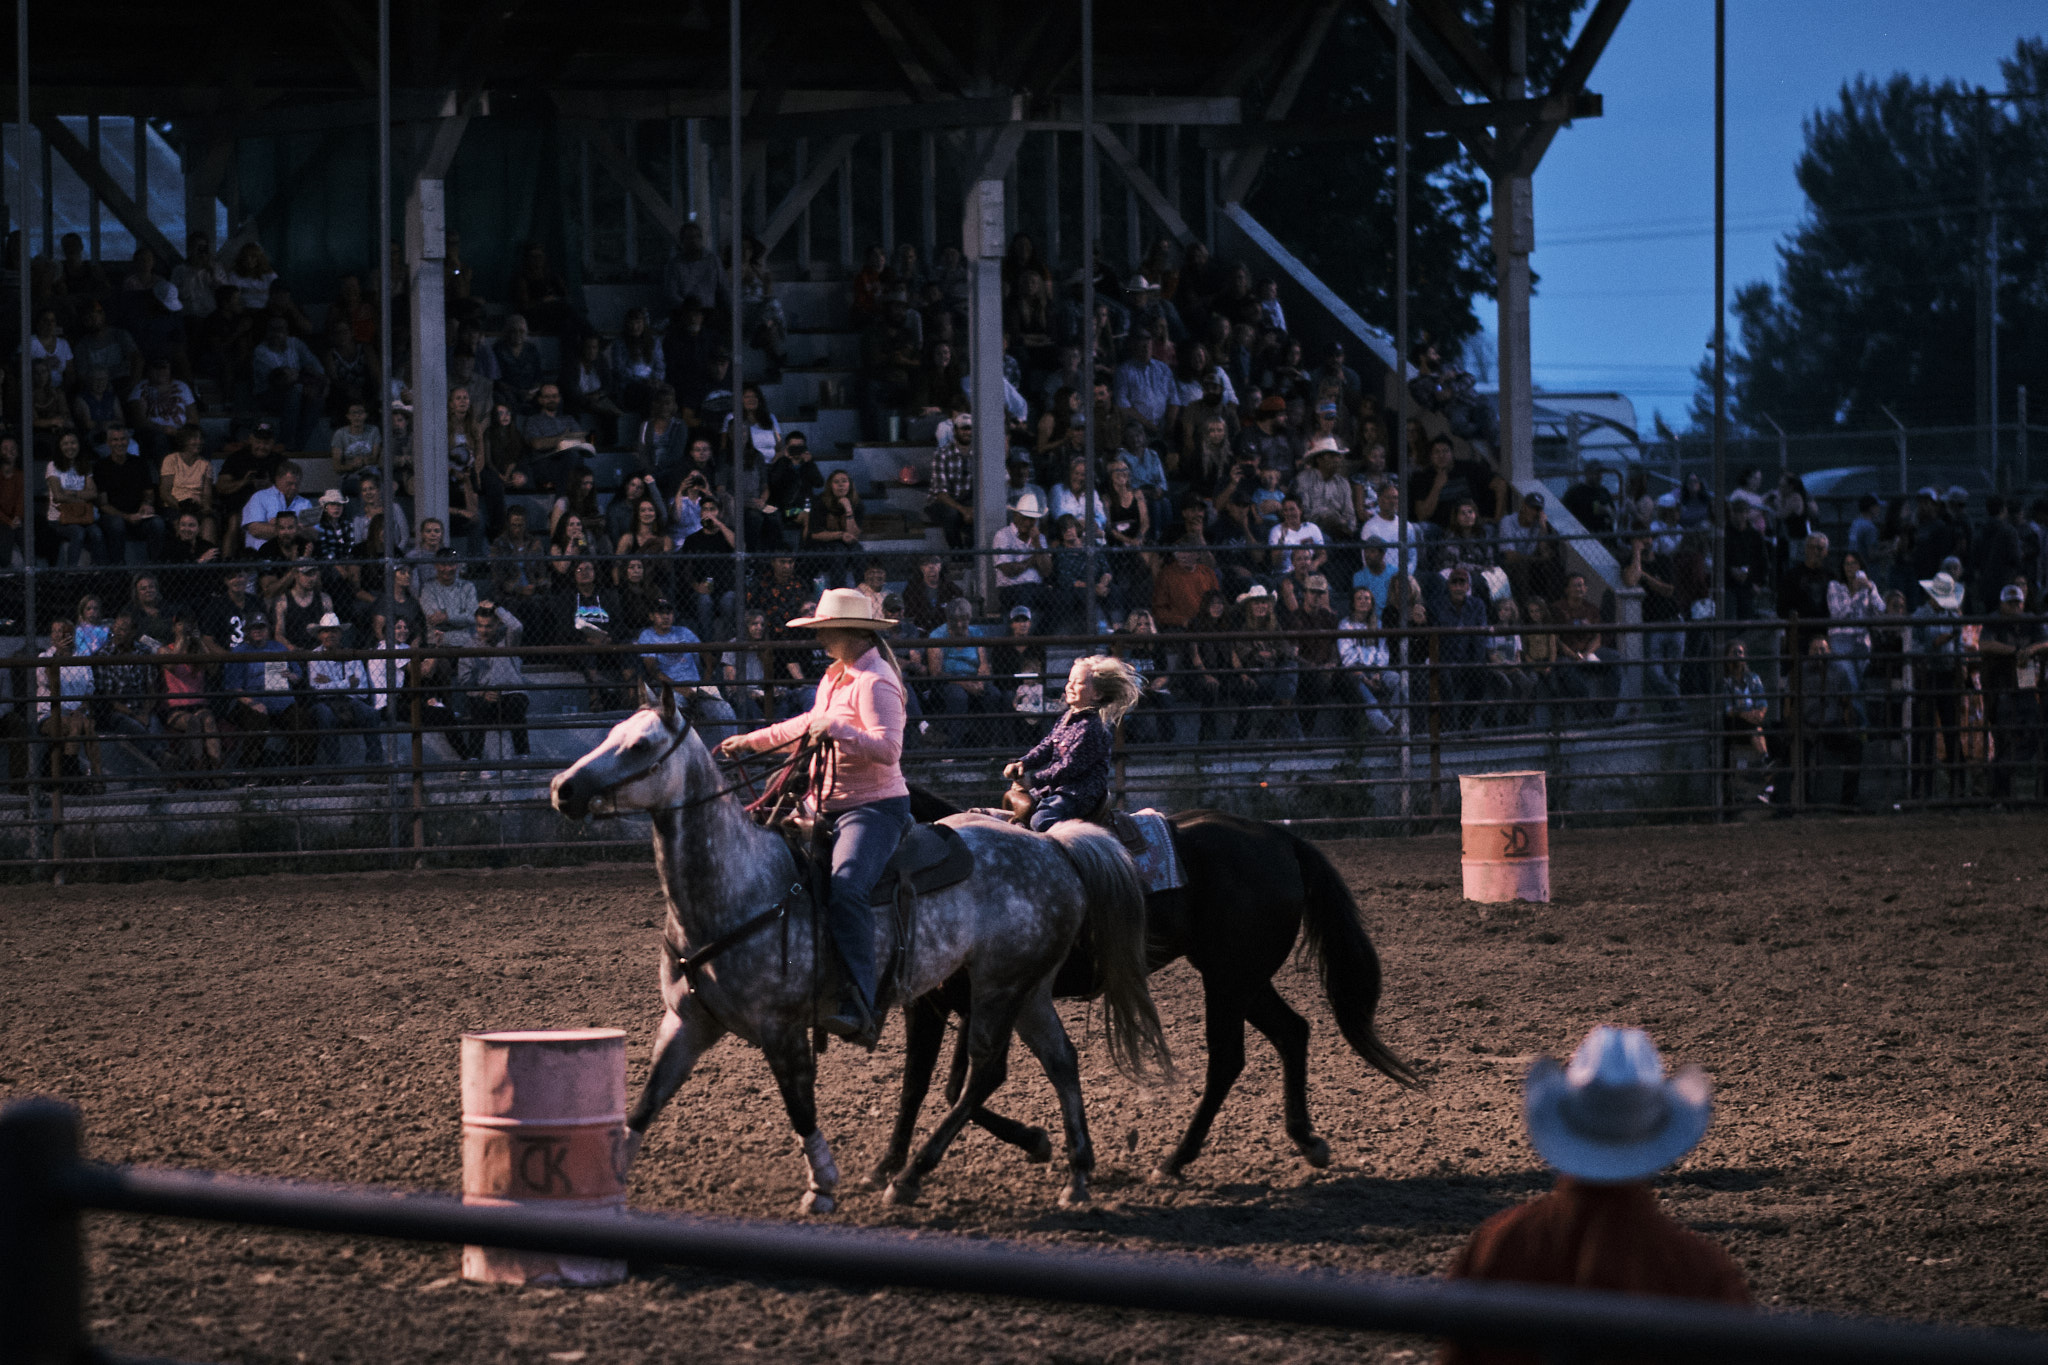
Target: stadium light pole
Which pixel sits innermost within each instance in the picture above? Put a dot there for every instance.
(732, 247)
(1090, 206)
(21, 264)
(383, 248)
(1401, 571)
(1720, 310)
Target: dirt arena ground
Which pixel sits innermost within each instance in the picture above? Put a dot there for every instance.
(1866, 994)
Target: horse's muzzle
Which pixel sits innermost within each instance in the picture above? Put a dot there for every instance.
(570, 795)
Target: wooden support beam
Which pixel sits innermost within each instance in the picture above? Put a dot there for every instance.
(800, 195)
(910, 21)
(1002, 154)
(1484, 149)
(620, 167)
(285, 191)
(1441, 18)
(439, 154)
(132, 216)
(1242, 66)
(1571, 78)
(1244, 167)
(1506, 114)
(1194, 110)
(940, 114)
(914, 69)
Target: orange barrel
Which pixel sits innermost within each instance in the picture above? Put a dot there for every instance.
(543, 1124)
(1507, 837)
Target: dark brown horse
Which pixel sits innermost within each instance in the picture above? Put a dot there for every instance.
(1252, 889)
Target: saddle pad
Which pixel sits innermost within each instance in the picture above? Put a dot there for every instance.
(934, 856)
(1159, 866)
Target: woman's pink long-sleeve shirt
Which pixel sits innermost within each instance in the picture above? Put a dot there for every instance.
(862, 706)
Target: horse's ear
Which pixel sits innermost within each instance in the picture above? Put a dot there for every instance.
(648, 696)
(668, 704)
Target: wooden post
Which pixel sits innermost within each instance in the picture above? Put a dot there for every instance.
(42, 1262)
(426, 252)
(419, 777)
(55, 684)
(981, 230)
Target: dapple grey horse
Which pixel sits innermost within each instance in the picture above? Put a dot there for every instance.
(734, 887)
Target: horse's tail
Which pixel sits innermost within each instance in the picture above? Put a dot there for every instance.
(1116, 927)
(1344, 957)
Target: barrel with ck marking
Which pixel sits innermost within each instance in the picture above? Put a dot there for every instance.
(1507, 837)
(543, 1124)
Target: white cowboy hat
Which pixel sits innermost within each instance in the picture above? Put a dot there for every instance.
(1254, 592)
(1612, 1115)
(1029, 504)
(328, 621)
(1946, 592)
(846, 607)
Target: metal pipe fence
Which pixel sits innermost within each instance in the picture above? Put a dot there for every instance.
(203, 758)
(45, 1186)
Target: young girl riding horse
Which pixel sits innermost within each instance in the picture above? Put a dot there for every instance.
(1068, 770)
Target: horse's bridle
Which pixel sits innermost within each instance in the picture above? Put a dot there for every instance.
(664, 756)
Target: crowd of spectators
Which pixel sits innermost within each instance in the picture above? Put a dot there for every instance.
(1239, 527)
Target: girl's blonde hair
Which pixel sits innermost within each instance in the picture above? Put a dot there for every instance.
(1116, 686)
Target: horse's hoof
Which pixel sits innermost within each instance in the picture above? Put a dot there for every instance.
(878, 1178)
(1315, 1152)
(817, 1201)
(1076, 1192)
(900, 1194)
(1040, 1150)
(1165, 1173)
(628, 1150)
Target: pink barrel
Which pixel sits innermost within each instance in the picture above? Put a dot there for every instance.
(543, 1123)
(1506, 826)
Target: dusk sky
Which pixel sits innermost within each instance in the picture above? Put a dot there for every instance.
(1625, 203)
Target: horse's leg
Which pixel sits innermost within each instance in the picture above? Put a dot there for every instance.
(685, 1034)
(924, 1034)
(1288, 1033)
(796, 1074)
(995, 1014)
(1224, 1034)
(1033, 1141)
(1040, 1028)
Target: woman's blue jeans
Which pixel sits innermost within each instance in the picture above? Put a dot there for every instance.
(864, 839)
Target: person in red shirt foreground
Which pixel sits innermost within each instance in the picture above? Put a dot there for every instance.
(1606, 1122)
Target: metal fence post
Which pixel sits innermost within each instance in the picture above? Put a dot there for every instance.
(1905, 479)
(42, 1271)
(53, 754)
(1796, 722)
(419, 778)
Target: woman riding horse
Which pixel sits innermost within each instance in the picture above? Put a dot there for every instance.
(860, 708)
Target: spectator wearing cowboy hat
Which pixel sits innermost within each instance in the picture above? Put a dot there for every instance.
(1937, 647)
(1606, 1123)
(340, 696)
(1265, 443)
(1144, 388)
(1022, 557)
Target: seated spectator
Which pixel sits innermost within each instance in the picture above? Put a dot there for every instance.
(1529, 550)
(224, 619)
(891, 357)
(90, 632)
(927, 594)
(161, 407)
(1467, 541)
(350, 371)
(98, 407)
(1317, 656)
(1590, 501)
(517, 556)
(1072, 498)
(951, 504)
(185, 479)
(964, 680)
(830, 533)
(371, 508)
(357, 446)
(48, 345)
(692, 275)
(186, 713)
(289, 382)
(1606, 1123)
(493, 694)
(259, 514)
(1183, 583)
(1022, 557)
(684, 671)
(589, 387)
(297, 602)
(127, 498)
(448, 599)
(98, 345)
(761, 316)
(69, 726)
(1367, 678)
(636, 362)
(1266, 444)
(333, 538)
(1437, 489)
(251, 277)
(339, 697)
(398, 604)
(1461, 658)
(1578, 675)
(556, 443)
(1144, 389)
(703, 569)
(263, 687)
(73, 516)
(247, 465)
(594, 620)
(149, 611)
(519, 366)
(1329, 500)
(1264, 673)
(1074, 602)
(540, 295)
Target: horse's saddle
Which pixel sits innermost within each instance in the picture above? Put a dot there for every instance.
(1019, 801)
(931, 858)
